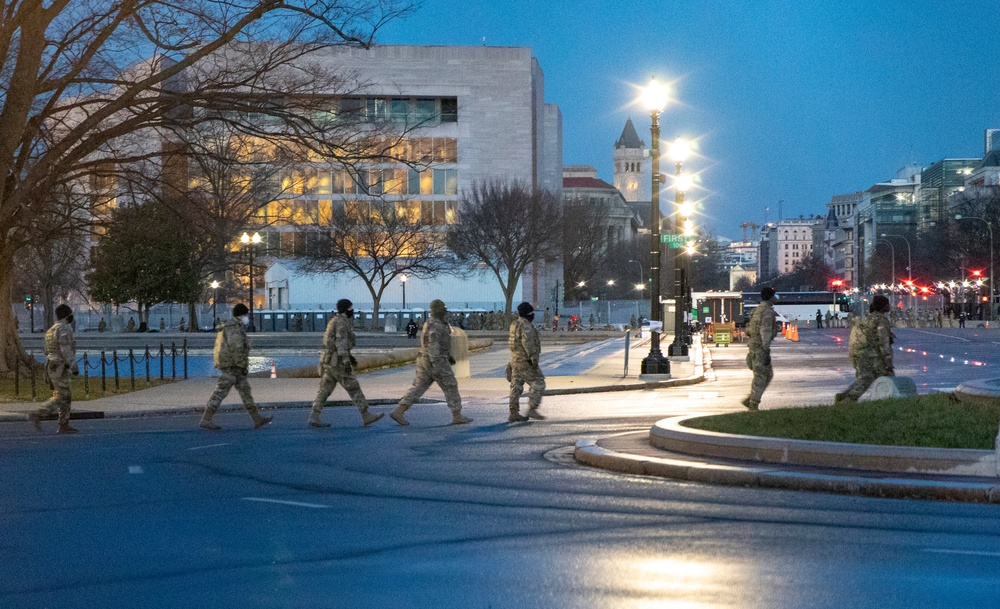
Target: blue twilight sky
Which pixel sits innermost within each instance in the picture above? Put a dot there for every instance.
(792, 100)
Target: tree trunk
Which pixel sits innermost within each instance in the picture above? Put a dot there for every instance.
(193, 316)
(49, 302)
(13, 353)
(376, 305)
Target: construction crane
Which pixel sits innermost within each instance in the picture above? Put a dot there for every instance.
(753, 230)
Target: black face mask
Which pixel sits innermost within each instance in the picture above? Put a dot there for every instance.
(530, 316)
(69, 319)
(349, 312)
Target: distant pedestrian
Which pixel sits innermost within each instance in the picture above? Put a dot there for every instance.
(525, 349)
(411, 329)
(232, 358)
(183, 325)
(337, 365)
(819, 320)
(434, 365)
(961, 319)
(131, 325)
(102, 325)
(760, 333)
(61, 367)
(870, 349)
(163, 325)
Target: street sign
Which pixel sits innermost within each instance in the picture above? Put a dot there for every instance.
(676, 241)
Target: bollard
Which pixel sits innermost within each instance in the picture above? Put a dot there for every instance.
(131, 369)
(86, 376)
(185, 358)
(114, 361)
(104, 374)
(147, 365)
(628, 335)
(274, 371)
(173, 361)
(162, 355)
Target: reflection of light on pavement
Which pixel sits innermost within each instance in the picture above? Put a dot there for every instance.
(675, 579)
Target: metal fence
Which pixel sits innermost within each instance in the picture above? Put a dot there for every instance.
(114, 365)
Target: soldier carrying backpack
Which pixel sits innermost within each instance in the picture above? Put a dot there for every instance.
(870, 349)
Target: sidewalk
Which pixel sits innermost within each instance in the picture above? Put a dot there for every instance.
(381, 387)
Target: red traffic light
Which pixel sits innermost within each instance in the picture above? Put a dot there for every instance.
(976, 272)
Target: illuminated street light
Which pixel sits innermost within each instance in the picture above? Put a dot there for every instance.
(654, 98)
(250, 243)
(215, 299)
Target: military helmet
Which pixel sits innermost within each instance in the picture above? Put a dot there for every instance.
(240, 310)
(343, 305)
(63, 311)
(438, 309)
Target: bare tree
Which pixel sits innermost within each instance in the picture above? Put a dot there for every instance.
(505, 226)
(92, 83)
(377, 241)
(585, 244)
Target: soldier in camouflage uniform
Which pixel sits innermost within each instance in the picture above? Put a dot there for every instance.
(337, 366)
(760, 333)
(525, 348)
(434, 365)
(232, 358)
(870, 349)
(61, 367)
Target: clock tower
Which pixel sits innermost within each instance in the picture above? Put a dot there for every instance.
(632, 177)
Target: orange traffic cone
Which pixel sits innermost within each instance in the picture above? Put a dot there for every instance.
(795, 333)
(274, 371)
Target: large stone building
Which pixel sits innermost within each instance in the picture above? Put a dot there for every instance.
(581, 185)
(482, 115)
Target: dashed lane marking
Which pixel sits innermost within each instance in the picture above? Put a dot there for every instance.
(282, 502)
(944, 335)
(965, 552)
(135, 469)
(208, 446)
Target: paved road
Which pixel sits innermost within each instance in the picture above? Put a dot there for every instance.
(153, 513)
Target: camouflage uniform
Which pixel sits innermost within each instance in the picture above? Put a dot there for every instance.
(870, 350)
(232, 358)
(60, 365)
(433, 365)
(760, 332)
(337, 366)
(525, 349)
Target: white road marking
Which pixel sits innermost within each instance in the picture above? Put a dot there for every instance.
(944, 335)
(208, 446)
(295, 503)
(965, 552)
(135, 469)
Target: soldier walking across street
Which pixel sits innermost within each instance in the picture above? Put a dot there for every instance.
(525, 349)
(337, 366)
(232, 358)
(434, 365)
(870, 349)
(760, 333)
(61, 367)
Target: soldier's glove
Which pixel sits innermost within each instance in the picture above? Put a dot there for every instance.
(246, 371)
(354, 362)
(509, 373)
(451, 360)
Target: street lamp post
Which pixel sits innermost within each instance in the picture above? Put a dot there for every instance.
(250, 243)
(215, 300)
(989, 225)
(679, 151)
(402, 280)
(654, 98)
(909, 257)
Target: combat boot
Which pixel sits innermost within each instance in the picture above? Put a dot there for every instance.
(209, 425)
(259, 421)
(370, 418)
(457, 418)
(316, 422)
(534, 414)
(65, 428)
(397, 416)
(516, 417)
(750, 404)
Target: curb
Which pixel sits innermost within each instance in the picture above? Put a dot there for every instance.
(589, 452)
(22, 416)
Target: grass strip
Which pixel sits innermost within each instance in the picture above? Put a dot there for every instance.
(932, 421)
(44, 392)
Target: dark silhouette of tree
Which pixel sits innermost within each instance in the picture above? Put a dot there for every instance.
(505, 226)
(89, 87)
(377, 241)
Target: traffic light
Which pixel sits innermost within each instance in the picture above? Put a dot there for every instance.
(27, 302)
